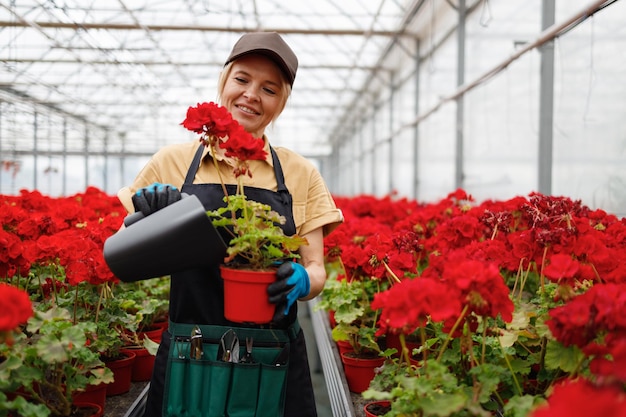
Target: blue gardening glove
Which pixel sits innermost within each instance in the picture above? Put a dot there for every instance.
(292, 282)
(155, 197)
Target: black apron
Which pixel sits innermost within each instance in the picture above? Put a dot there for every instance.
(197, 296)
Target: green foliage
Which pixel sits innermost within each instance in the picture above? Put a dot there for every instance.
(568, 359)
(25, 408)
(51, 360)
(257, 238)
(350, 303)
(521, 406)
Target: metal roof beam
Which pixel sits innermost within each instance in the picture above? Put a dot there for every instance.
(132, 26)
(188, 63)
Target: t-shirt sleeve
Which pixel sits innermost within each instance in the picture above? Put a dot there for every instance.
(167, 166)
(319, 209)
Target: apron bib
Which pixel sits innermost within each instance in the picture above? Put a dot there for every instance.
(197, 298)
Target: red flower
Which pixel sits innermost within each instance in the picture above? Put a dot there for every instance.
(590, 315)
(12, 259)
(16, 307)
(561, 266)
(480, 286)
(582, 399)
(209, 119)
(217, 127)
(243, 146)
(407, 305)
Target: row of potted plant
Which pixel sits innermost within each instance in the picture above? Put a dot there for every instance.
(507, 308)
(503, 307)
(59, 340)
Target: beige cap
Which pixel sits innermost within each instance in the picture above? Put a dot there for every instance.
(271, 45)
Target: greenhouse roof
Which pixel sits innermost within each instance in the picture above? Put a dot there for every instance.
(133, 67)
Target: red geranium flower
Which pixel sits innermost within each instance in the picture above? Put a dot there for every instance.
(16, 307)
(218, 128)
(580, 398)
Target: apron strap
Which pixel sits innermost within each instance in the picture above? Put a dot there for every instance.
(195, 164)
(280, 178)
(278, 170)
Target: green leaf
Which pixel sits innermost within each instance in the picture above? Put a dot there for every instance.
(443, 404)
(520, 406)
(25, 408)
(507, 338)
(565, 358)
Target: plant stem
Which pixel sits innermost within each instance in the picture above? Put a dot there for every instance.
(424, 347)
(543, 264)
(391, 273)
(447, 341)
(217, 168)
(75, 319)
(405, 350)
(508, 364)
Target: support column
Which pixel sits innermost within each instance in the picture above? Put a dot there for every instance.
(546, 103)
(35, 150)
(459, 177)
(416, 109)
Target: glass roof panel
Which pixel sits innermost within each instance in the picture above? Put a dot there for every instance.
(131, 65)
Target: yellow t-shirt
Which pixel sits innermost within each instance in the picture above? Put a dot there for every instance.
(313, 205)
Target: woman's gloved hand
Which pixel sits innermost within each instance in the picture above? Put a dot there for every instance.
(155, 197)
(292, 283)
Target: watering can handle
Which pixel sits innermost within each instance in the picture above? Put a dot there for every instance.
(135, 217)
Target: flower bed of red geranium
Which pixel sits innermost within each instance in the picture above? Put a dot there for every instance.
(458, 262)
(37, 229)
(450, 260)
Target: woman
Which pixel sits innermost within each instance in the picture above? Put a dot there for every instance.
(254, 86)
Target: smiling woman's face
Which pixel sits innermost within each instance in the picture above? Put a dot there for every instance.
(254, 92)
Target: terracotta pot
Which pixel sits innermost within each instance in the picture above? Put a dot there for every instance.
(143, 364)
(162, 324)
(245, 295)
(344, 346)
(377, 408)
(393, 341)
(122, 373)
(153, 333)
(359, 371)
(93, 394)
(331, 319)
(86, 409)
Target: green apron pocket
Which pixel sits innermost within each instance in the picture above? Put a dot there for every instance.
(194, 387)
(208, 387)
(244, 390)
(175, 393)
(272, 387)
(218, 387)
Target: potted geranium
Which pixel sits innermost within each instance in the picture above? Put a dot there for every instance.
(243, 234)
(256, 243)
(45, 362)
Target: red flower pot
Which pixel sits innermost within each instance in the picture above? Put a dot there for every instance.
(359, 371)
(377, 408)
(393, 341)
(93, 394)
(85, 409)
(153, 333)
(143, 364)
(245, 295)
(331, 319)
(122, 373)
(344, 346)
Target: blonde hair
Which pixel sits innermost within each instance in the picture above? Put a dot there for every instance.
(285, 88)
